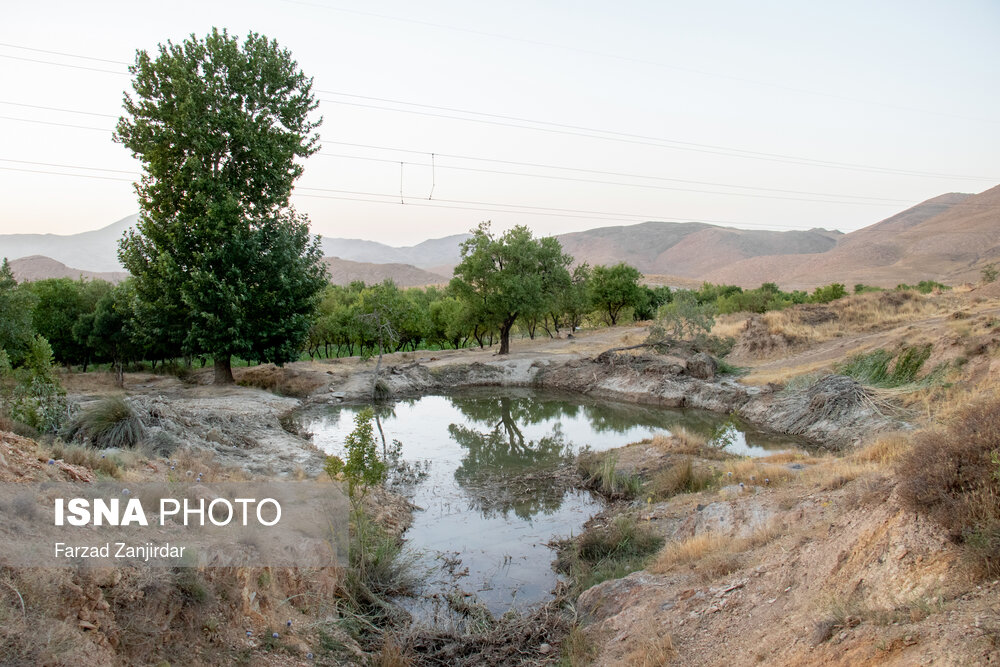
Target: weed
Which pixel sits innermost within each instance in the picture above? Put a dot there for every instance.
(88, 458)
(876, 369)
(682, 477)
(609, 552)
(110, 422)
(600, 473)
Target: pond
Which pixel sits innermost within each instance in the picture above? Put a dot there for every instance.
(481, 526)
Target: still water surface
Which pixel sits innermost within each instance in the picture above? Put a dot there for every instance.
(480, 527)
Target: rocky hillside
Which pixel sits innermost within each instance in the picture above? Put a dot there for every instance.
(948, 238)
(37, 267)
(344, 272)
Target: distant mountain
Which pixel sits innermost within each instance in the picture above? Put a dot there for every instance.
(688, 249)
(948, 238)
(91, 251)
(344, 272)
(426, 255)
(36, 267)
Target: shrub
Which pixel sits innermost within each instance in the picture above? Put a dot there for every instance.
(828, 293)
(952, 475)
(989, 273)
(110, 422)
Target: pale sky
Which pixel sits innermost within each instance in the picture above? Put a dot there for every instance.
(779, 115)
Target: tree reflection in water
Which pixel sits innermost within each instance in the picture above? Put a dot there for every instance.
(501, 470)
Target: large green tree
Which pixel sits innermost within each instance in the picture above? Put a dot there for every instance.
(222, 264)
(16, 304)
(505, 277)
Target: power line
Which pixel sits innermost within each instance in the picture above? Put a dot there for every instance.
(608, 173)
(622, 137)
(63, 53)
(458, 204)
(59, 173)
(49, 122)
(69, 166)
(613, 183)
(38, 106)
(49, 62)
(641, 61)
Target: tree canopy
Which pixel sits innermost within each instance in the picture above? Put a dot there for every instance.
(222, 264)
(505, 277)
(614, 288)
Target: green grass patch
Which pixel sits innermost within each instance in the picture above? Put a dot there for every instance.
(882, 369)
(610, 552)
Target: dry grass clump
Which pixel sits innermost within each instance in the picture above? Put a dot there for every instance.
(886, 449)
(682, 477)
(713, 554)
(755, 471)
(652, 646)
(87, 457)
(952, 475)
(283, 381)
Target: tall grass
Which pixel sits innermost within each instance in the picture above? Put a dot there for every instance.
(609, 552)
(110, 422)
(601, 474)
(876, 369)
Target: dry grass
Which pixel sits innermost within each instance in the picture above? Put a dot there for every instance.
(283, 381)
(857, 313)
(756, 471)
(713, 554)
(885, 450)
(652, 646)
(682, 477)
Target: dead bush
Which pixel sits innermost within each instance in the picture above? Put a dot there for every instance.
(283, 381)
(952, 475)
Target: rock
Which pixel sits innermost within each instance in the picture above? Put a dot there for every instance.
(215, 435)
(702, 366)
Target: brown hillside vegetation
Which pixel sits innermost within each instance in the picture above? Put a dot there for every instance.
(948, 238)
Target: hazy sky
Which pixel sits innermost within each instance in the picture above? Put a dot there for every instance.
(781, 115)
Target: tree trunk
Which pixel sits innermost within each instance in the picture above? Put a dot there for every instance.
(224, 370)
(505, 338)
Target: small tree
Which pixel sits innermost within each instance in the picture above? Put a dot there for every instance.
(505, 277)
(989, 273)
(683, 319)
(614, 288)
(363, 468)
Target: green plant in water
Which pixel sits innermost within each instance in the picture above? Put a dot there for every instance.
(602, 475)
